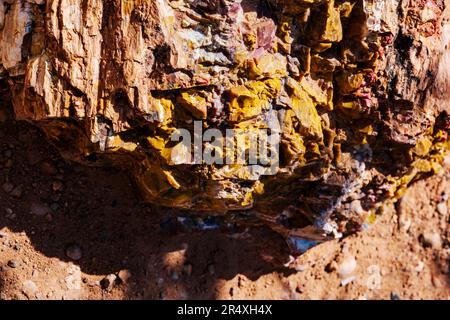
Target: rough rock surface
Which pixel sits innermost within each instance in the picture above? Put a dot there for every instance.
(99, 211)
(356, 92)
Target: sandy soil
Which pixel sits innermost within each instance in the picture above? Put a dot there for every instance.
(71, 232)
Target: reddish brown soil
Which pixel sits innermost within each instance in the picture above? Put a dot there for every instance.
(98, 210)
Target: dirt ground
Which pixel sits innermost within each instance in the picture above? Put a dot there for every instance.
(72, 232)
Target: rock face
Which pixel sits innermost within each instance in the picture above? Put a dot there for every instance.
(353, 98)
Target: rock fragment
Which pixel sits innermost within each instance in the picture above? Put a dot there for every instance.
(29, 288)
(74, 252)
(442, 208)
(347, 266)
(431, 239)
(73, 278)
(7, 187)
(17, 192)
(13, 263)
(124, 275)
(107, 283)
(39, 209)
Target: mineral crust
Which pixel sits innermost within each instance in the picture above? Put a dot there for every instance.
(355, 92)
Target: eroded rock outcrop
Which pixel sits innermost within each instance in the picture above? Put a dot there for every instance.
(355, 94)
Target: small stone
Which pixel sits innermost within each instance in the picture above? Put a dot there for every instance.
(395, 296)
(347, 280)
(57, 185)
(346, 266)
(7, 187)
(3, 234)
(419, 267)
(404, 223)
(211, 269)
(436, 281)
(17, 192)
(442, 208)
(355, 206)
(291, 260)
(187, 269)
(48, 168)
(94, 284)
(374, 279)
(292, 284)
(300, 288)
(432, 239)
(13, 263)
(39, 209)
(124, 275)
(29, 288)
(301, 267)
(160, 281)
(73, 279)
(107, 283)
(11, 216)
(9, 213)
(175, 276)
(73, 251)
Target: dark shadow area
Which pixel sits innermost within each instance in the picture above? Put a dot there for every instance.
(57, 203)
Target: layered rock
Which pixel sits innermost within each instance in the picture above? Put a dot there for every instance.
(355, 94)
